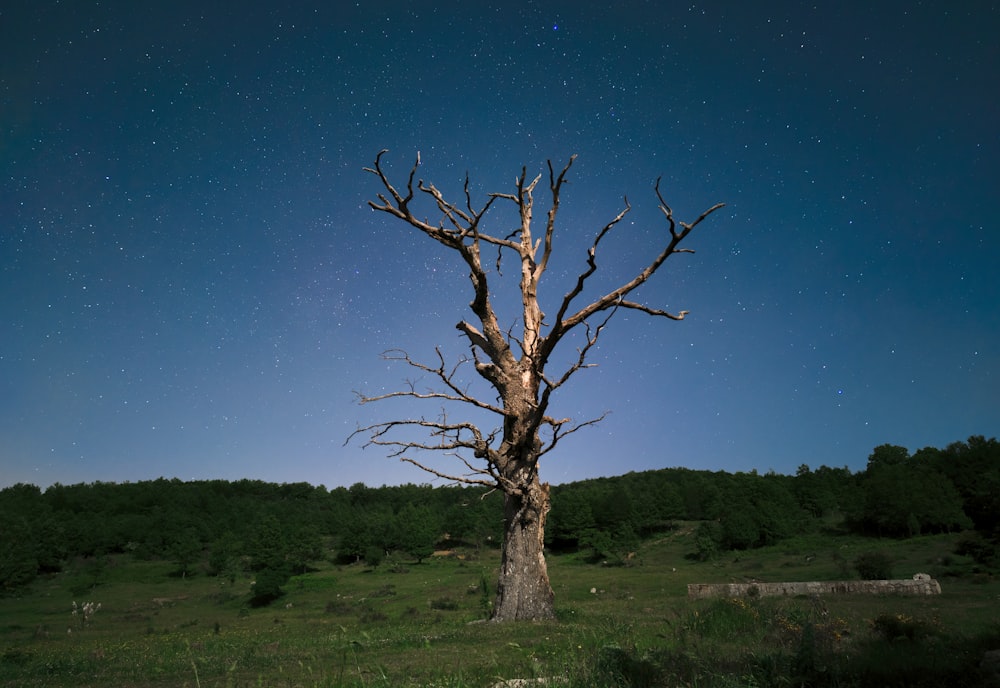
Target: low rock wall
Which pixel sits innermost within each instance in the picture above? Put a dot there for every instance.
(927, 586)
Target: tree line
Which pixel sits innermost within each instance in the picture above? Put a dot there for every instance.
(228, 528)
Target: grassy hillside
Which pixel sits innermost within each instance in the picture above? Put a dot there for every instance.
(406, 624)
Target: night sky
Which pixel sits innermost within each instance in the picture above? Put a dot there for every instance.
(192, 284)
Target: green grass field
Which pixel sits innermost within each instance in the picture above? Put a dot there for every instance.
(406, 624)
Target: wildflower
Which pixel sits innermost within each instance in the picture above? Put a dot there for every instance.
(85, 611)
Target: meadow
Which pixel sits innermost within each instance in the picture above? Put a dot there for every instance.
(408, 624)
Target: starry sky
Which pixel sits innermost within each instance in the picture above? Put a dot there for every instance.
(192, 284)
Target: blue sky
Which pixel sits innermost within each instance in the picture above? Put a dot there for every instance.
(193, 285)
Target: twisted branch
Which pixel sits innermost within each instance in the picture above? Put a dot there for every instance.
(523, 386)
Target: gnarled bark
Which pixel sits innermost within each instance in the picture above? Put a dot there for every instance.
(523, 588)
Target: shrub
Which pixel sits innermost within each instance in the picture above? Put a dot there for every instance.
(267, 587)
(898, 626)
(978, 548)
(445, 604)
(617, 666)
(873, 566)
(373, 616)
(708, 540)
(340, 607)
(374, 555)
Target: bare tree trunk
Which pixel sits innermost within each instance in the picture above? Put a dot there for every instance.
(523, 589)
(513, 363)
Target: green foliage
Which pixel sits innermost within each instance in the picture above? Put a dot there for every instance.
(973, 467)
(303, 545)
(708, 540)
(887, 455)
(759, 511)
(905, 497)
(444, 604)
(186, 553)
(226, 526)
(614, 665)
(571, 516)
(223, 557)
(352, 626)
(979, 549)
(727, 617)
(741, 527)
(267, 586)
(266, 544)
(18, 553)
(825, 491)
(417, 529)
(873, 565)
(374, 555)
(900, 627)
(486, 595)
(31, 540)
(354, 544)
(611, 548)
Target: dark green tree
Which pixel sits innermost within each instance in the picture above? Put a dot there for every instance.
(613, 546)
(267, 544)
(974, 468)
(571, 517)
(418, 529)
(224, 557)
(740, 525)
(18, 554)
(358, 537)
(909, 497)
(708, 538)
(267, 549)
(186, 552)
(31, 539)
(888, 455)
(814, 492)
(778, 511)
(266, 588)
(304, 545)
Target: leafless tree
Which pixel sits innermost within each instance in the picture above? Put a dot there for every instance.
(513, 361)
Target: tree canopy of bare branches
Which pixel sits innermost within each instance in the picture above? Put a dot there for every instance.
(514, 361)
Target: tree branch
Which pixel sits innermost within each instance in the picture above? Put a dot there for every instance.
(555, 186)
(515, 366)
(616, 297)
(558, 432)
(453, 478)
(445, 376)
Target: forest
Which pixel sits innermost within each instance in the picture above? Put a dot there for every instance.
(229, 528)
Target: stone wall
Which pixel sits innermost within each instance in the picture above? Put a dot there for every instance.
(922, 586)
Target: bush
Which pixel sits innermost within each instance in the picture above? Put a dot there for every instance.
(899, 626)
(374, 555)
(708, 540)
(616, 666)
(267, 587)
(873, 566)
(444, 604)
(373, 616)
(978, 548)
(340, 607)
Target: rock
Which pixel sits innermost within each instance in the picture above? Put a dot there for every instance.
(528, 682)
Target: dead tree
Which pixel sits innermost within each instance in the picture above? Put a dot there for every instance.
(513, 361)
